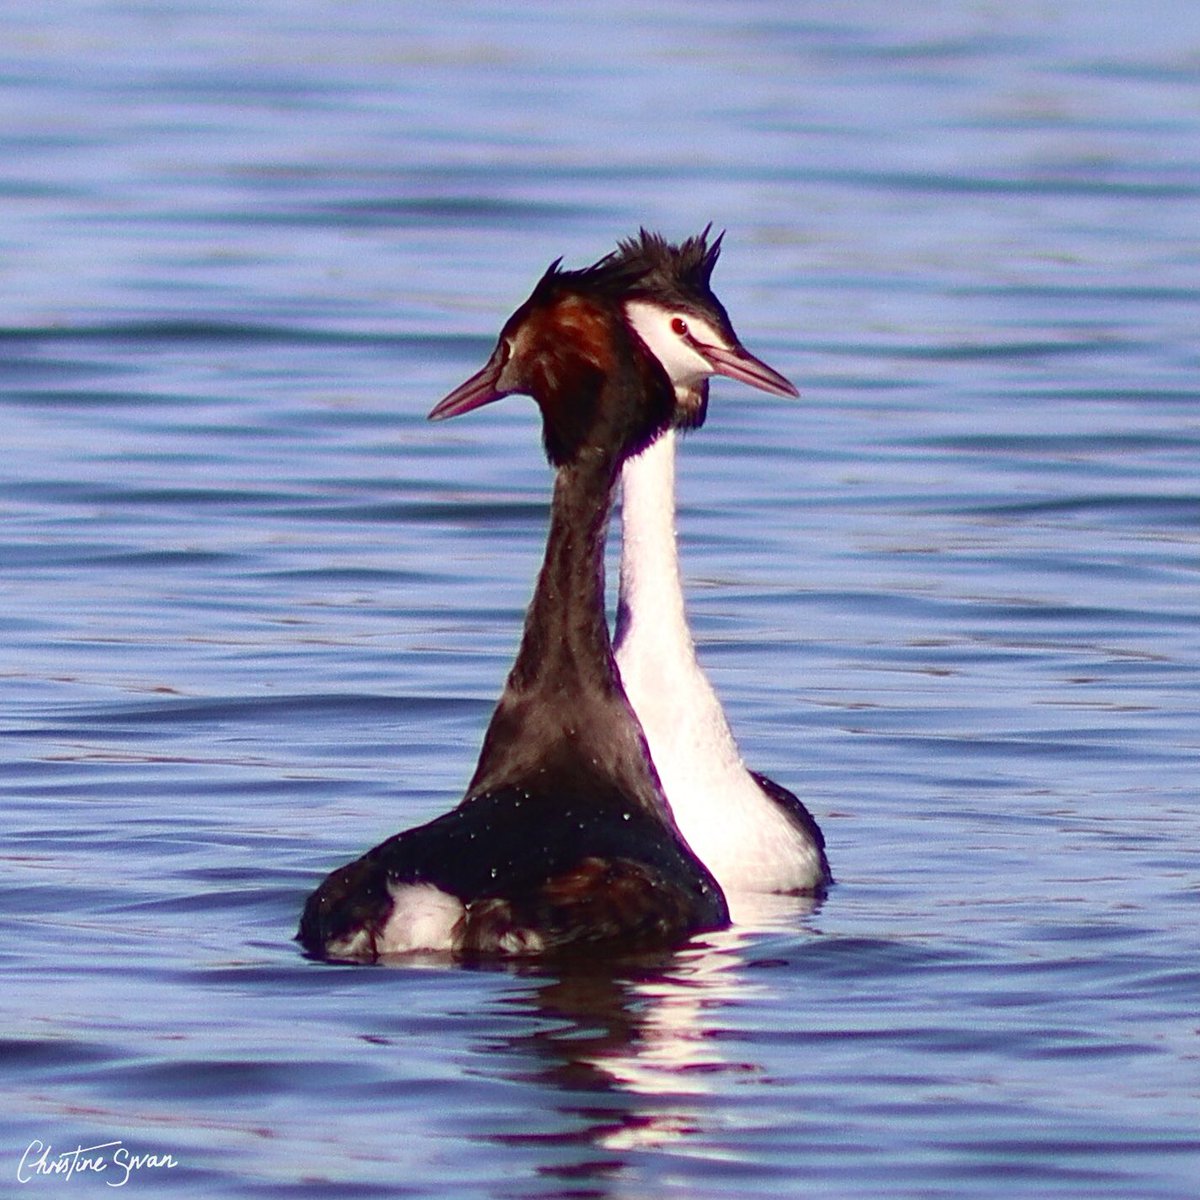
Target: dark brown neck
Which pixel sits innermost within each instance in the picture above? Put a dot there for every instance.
(566, 641)
(564, 715)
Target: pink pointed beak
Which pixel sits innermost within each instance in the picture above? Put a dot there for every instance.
(740, 364)
(482, 388)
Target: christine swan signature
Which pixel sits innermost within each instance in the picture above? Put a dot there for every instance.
(112, 1160)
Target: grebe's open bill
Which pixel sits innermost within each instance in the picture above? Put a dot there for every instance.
(482, 388)
(740, 364)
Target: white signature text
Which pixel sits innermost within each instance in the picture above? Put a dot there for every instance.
(113, 1159)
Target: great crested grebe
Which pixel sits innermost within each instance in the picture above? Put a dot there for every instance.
(564, 840)
(753, 835)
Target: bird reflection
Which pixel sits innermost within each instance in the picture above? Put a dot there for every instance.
(634, 1048)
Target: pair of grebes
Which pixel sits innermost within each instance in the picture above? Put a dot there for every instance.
(610, 810)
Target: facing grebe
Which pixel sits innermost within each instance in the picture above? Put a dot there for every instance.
(751, 833)
(564, 839)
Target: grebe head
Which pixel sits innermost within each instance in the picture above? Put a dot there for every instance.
(570, 348)
(671, 307)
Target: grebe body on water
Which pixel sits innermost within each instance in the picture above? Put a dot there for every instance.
(753, 834)
(564, 840)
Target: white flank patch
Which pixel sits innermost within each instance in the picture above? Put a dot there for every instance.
(423, 917)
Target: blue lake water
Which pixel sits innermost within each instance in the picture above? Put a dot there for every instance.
(254, 610)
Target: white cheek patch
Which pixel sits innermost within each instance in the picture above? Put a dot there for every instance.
(685, 365)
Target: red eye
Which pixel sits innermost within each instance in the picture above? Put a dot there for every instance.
(678, 326)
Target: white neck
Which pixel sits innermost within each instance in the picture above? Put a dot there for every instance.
(684, 723)
(740, 835)
(683, 719)
(651, 619)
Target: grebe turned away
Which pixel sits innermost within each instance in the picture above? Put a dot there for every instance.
(564, 840)
(751, 833)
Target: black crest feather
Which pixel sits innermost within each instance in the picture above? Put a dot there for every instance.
(646, 265)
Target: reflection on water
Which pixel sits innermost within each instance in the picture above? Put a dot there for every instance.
(632, 1054)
